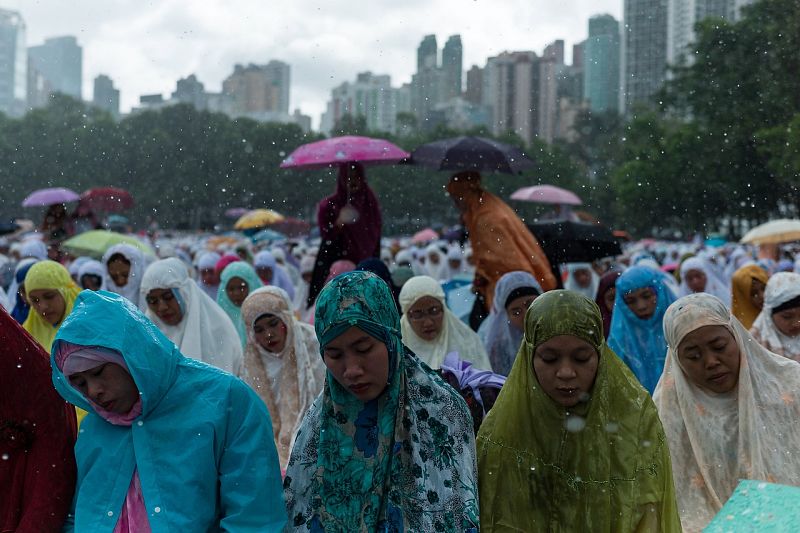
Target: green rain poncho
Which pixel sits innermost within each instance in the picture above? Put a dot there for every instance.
(602, 466)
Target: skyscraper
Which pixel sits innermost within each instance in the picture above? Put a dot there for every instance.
(601, 64)
(682, 15)
(60, 62)
(370, 96)
(474, 85)
(452, 67)
(427, 53)
(191, 91)
(259, 88)
(13, 63)
(105, 95)
(644, 51)
(511, 91)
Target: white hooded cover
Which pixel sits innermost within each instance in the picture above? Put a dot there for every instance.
(781, 288)
(138, 265)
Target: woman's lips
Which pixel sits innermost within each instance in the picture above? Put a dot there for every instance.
(359, 388)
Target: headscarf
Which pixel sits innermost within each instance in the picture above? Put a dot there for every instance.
(600, 466)
(607, 282)
(454, 337)
(379, 268)
(34, 248)
(48, 275)
(402, 462)
(500, 241)
(742, 305)
(288, 381)
(714, 285)
(92, 268)
(237, 269)
(717, 439)
(280, 278)
(441, 271)
(37, 464)
(640, 343)
(136, 258)
(205, 332)
(340, 267)
(781, 288)
(21, 307)
(500, 338)
(571, 285)
(224, 261)
(481, 386)
(207, 261)
(301, 294)
(75, 266)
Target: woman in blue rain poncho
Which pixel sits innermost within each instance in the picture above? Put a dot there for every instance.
(170, 444)
(637, 331)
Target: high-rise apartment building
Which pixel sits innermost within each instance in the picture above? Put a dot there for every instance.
(682, 15)
(644, 51)
(370, 96)
(60, 63)
(13, 63)
(474, 85)
(191, 91)
(106, 96)
(259, 88)
(452, 67)
(427, 53)
(601, 64)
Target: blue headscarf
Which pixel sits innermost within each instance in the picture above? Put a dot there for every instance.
(242, 270)
(640, 343)
(21, 307)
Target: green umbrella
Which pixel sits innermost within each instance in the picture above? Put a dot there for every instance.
(95, 243)
(759, 506)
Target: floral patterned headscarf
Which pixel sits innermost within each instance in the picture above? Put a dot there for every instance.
(402, 462)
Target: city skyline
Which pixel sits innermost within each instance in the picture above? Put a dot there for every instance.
(172, 39)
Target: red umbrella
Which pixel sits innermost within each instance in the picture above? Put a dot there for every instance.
(108, 199)
(340, 150)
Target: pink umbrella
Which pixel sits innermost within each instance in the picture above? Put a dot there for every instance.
(340, 150)
(425, 235)
(546, 194)
(52, 196)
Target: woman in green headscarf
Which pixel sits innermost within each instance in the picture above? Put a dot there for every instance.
(387, 446)
(237, 281)
(574, 442)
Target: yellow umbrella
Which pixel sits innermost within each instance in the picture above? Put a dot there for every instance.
(775, 232)
(258, 218)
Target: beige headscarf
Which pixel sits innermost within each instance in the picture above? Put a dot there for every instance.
(715, 440)
(288, 381)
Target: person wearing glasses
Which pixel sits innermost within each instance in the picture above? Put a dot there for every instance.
(432, 331)
(188, 317)
(237, 281)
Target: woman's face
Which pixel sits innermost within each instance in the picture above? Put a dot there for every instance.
(583, 277)
(91, 282)
(209, 277)
(165, 306)
(609, 297)
(433, 257)
(49, 304)
(757, 293)
(696, 280)
(426, 317)
(516, 310)
(265, 273)
(109, 386)
(710, 357)
(788, 322)
(566, 367)
(270, 333)
(237, 290)
(454, 264)
(119, 270)
(359, 363)
(642, 302)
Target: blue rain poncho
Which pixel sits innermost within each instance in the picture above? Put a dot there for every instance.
(202, 445)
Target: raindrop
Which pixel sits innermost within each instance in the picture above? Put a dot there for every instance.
(4, 457)
(575, 424)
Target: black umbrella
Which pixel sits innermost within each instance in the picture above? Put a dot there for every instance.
(471, 153)
(8, 227)
(574, 242)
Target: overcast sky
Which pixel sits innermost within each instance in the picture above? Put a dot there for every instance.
(145, 46)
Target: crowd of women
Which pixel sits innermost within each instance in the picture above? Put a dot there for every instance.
(220, 389)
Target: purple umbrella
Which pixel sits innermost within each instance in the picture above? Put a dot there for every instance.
(340, 150)
(236, 212)
(52, 196)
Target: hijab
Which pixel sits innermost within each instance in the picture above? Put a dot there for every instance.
(781, 288)
(207, 261)
(455, 336)
(572, 285)
(714, 285)
(48, 275)
(237, 269)
(280, 278)
(717, 439)
(402, 462)
(287, 381)
(640, 342)
(21, 307)
(205, 332)
(136, 259)
(440, 271)
(607, 282)
(742, 284)
(601, 466)
(92, 268)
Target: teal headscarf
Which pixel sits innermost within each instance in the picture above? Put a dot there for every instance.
(239, 269)
(402, 462)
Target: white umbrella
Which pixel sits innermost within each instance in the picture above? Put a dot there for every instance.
(775, 232)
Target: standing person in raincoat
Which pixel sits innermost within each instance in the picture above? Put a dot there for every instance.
(349, 223)
(387, 446)
(170, 444)
(37, 434)
(574, 442)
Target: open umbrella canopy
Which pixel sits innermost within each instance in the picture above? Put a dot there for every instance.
(51, 196)
(340, 150)
(775, 232)
(759, 506)
(425, 235)
(258, 218)
(108, 199)
(267, 235)
(472, 153)
(95, 243)
(8, 227)
(236, 212)
(546, 194)
(292, 227)
(575, 242)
